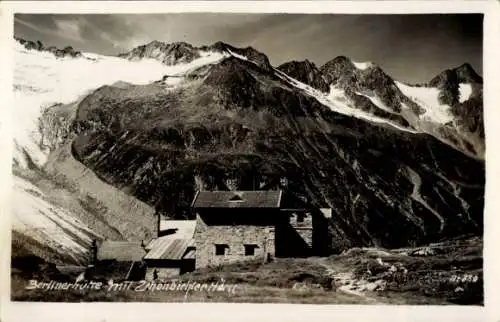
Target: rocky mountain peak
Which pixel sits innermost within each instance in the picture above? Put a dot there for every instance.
(306, 72)
(167, 53)
(338, 64)
(155, 43)
(343, 73)
(338, 71)
(464, 73)
(182, 52)
(467, 74)
(218, 46)
(67, 51)
(249, 53)
(236, 116)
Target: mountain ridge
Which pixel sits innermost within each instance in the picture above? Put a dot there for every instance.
(235, 119)
(67, 51)
(388, 180)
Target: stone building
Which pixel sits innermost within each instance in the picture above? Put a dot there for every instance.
(230, 226)
(233, 226)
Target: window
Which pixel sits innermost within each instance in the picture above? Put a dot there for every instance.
(250, 249)
(220, 249)
(300, 217)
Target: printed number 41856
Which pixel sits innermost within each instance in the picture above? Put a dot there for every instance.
(465, 278)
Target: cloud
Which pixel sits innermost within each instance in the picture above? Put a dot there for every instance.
(69, 29)
(41, 29)
(63, 27)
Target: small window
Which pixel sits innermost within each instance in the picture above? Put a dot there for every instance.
(300, 217)
(220, 249)
(250, 249)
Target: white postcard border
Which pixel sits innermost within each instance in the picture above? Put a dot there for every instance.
(262, 312)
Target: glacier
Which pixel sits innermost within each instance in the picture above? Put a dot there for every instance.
(428, 98)
(41, 79)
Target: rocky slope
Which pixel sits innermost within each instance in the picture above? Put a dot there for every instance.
(42, 80)
(448, 107)
(398, 164)
(389, 183)
(181, 52)
(44, 228)
(57, 214)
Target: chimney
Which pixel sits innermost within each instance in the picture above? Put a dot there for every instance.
(284, 182)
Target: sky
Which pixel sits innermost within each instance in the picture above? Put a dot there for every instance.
(410, 48)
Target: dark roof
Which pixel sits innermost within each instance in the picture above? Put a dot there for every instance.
(120, 251)
(237, 199)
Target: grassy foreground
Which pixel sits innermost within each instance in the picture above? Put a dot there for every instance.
(444, 273)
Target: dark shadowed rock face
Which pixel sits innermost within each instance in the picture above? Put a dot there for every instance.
(249, 53)
(461, 74)
(305, 72)
(469, 113)
(363, 86)
(236, 119)
(65, 52)
(169, 54)
(340, 72)
(448, 82)
(180, 52)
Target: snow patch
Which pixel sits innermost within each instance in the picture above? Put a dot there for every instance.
(417, 196)
(362, 65)
(465, 91)
(377, 102)
(237, 55)
(41, 79)
(206, 58)
(428, 99)
(337, 101)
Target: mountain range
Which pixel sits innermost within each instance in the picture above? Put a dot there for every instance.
(399, 164)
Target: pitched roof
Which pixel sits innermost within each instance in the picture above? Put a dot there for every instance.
(177, 243)
(237, 199)
(167, 247)
(178, 228)
(120, 251)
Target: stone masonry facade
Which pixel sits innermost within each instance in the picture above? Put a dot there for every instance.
(232, 239)
(302, 222)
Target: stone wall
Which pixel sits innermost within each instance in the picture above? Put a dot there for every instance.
(304, 228)
(235, 237)
(306, 234)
